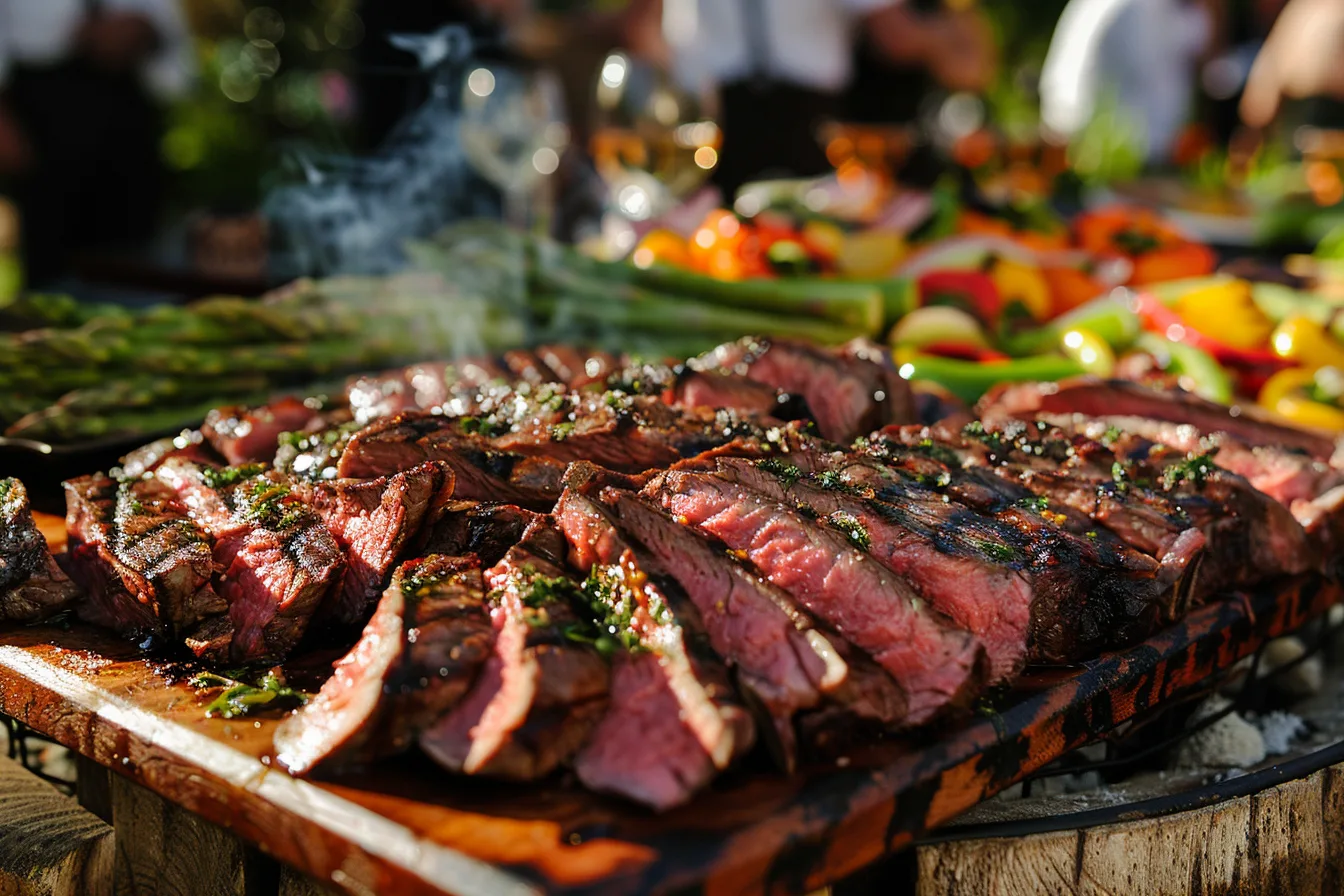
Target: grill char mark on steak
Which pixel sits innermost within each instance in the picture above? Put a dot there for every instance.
(145, 564)
(708, 721)
(372, 521)
(32, 586)
(486, 529)
(540, 692)
(276, 559)
(941, 550)
(416, 659)
(936, 664)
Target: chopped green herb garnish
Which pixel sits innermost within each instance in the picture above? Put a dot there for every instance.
(1111, 435)
(240, 698)
(850, 525)
(784, 472)
(562, 431)
(1038, 503)
(229, 476)
(940, 453)
(996, 550)
(1194, 469)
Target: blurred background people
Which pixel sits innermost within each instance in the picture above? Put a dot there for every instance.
(1142, 55)
(1301, 64)
(80, 124)
(781, 66)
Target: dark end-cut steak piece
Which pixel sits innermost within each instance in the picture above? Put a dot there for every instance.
(485, 529)
(652, 614)
(251, 435)
(937, 664)
(32, 586)
(276, 558)
(418, 656)
(372, 520)
(542, 690)
(145, 564)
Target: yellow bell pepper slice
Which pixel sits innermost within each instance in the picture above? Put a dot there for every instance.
(1092, 352)
(1285, 394)
(1301, 339)
(1022, 283)
(1226, 312)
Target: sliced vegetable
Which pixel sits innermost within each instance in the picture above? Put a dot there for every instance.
(1226, 312)
(1109, 317)
(1091, 352)
(1291, 394)
(1158, 318)
(970, 291)
(968, 380)
(870, 253)
(937, 324)
(1198, 370)
(1303, 340)
(661, 247)
(1022, 284)
(1070, 288)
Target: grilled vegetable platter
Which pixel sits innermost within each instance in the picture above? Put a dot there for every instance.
(582, 620)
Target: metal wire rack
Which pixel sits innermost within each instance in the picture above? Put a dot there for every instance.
(32, 750)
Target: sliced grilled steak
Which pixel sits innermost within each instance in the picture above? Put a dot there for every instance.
(32, 586)
(788, 664)
(417, 658)
(577, 368)
(485, 529)
(276, 558)
(542, 690)
(935, 663)
(655, 615)
(250, 435)
(848, 393)
(481, 472)
(145, 564)
(372, 520)
(1101, 398)
(189, 445)
(944, 551)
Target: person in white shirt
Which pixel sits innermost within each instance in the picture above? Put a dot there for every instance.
(1144, 54)
(80, 82)
(781, 65)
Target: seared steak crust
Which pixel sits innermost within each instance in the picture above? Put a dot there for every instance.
(32, 586)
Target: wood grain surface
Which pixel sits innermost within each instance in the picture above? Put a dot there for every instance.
(49, 846)
(1284, 841)
(407, 827)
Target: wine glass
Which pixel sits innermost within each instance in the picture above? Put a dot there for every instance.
(513, 131)
(654, 143)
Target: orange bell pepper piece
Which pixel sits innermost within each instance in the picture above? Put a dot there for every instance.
(1173, 262)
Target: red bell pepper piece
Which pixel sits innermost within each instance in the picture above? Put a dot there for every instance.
(1158, 318)
(964, 351)
(971, 291)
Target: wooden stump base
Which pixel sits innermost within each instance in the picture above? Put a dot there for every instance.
(1284, 841)
(49, 846)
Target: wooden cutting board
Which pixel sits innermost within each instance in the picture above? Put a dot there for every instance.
(408, 827)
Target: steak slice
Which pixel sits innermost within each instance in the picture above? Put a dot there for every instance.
(1100, 398)
(32, 586)
(276, 559)
(145, 564)
(577, 368)
(251, 435)
(417, 658)
(787, 663)
(848, 393)
(189, 445)
(480, 471)
(372, 520)
(485, 529)
(943, 550)
(542, 690)
(652, 614)
(937, 665)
